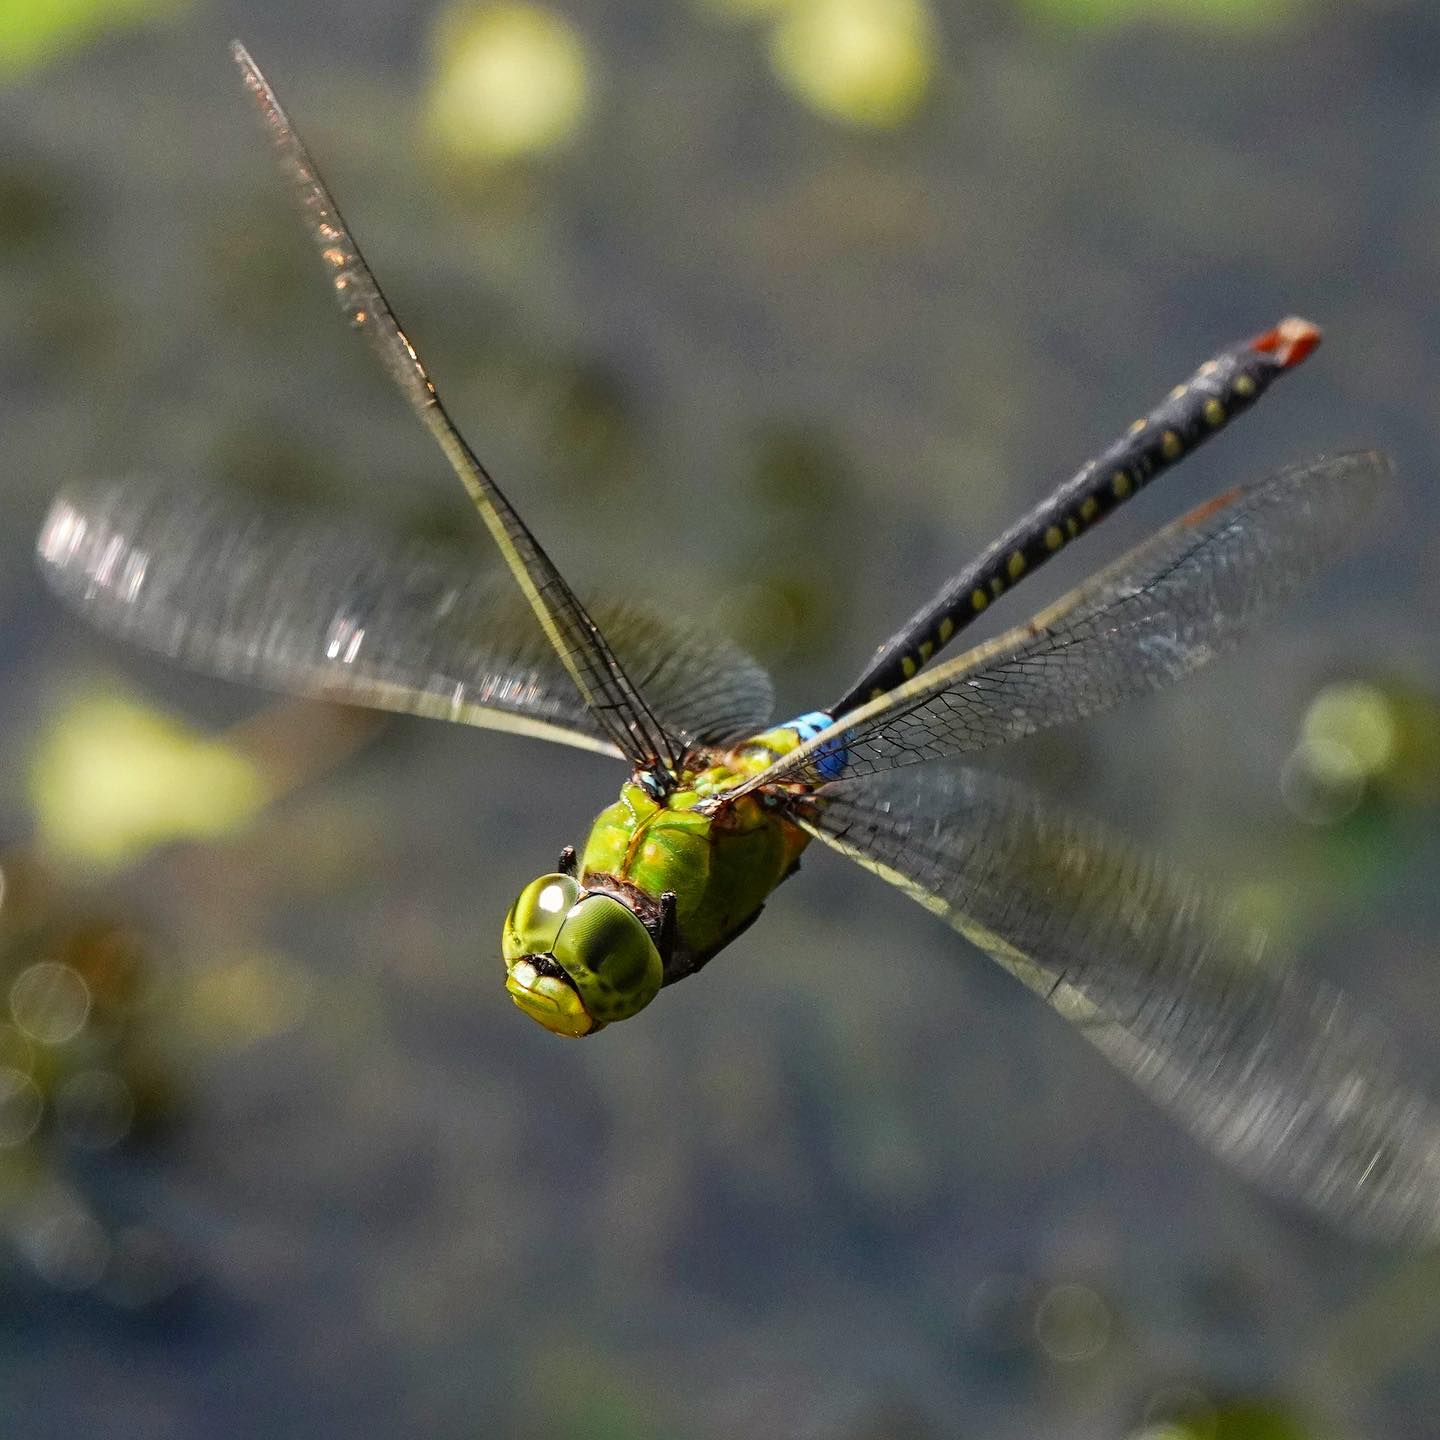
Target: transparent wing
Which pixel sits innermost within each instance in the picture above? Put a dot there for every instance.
(1163, 610)
(594, 667)
(1277, 1074)
(316, 610)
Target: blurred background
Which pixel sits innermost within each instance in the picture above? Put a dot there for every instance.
(773, 310)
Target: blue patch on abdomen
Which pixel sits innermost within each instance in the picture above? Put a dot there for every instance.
(830, 758)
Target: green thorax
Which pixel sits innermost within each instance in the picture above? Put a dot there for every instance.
(720, 861)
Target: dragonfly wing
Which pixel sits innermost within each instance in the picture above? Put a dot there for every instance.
(312, 609)
(1161, 611)
(1277, 1074)
(704, 689)
(587, 656)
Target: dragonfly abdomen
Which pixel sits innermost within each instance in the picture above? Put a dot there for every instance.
(1221, 389)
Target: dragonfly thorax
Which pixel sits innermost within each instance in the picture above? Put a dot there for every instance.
(575, 959)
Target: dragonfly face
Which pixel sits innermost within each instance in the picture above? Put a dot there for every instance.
(577, 959)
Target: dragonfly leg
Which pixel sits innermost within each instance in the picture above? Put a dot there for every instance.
(665, 940)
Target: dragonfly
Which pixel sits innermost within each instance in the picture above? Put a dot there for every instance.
(1277, 1074)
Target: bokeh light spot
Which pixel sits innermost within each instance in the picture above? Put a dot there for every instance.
(66, 1246)
(1357, 717)
(511, 80)
(16, 1050)
(866, 61)
(50, 1002)
(1322, 781)
(1072, 1324)
(20, 1106)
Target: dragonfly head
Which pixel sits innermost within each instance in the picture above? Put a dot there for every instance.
(577, 959)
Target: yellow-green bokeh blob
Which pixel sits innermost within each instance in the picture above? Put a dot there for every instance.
(35, 31)
(869, 62)
(112, 778)
(510, 80)
(1358, 718)
(1230, 15)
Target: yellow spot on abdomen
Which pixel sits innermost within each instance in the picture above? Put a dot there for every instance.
(908, 667)
(927, 649)
(1090, 509)
(1171, 446)
(1054, 538)
(947, 625)
(1214, 412)
(1120, 484)
(978, 599)
(1015, 565)
(997, 587)
(1244, 385)
(1072, 526)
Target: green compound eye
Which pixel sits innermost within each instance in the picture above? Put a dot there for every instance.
(536, 917)
(574, 961)
(610, 958)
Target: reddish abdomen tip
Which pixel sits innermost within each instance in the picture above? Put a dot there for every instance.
(1290, 341)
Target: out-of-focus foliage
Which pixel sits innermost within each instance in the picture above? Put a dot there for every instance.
(35, 31)
(869, 62)
(511, 80)
(1234, 15)
(1373, 737)
(84, 1071)
(113, 778)
(1240, 1420)
(98, 1042)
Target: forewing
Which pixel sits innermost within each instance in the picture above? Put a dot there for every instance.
(311, 609)
(1161, 611)
(586, 653)
(1279, 1075)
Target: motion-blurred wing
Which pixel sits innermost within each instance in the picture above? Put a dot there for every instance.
(314, 610)
(1158, 613)
(1277, 1074)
